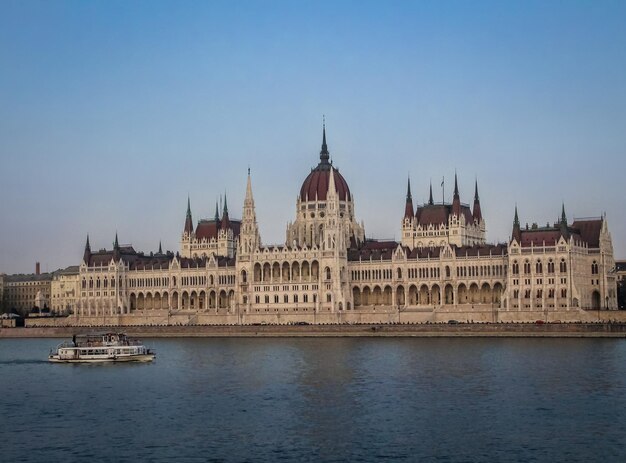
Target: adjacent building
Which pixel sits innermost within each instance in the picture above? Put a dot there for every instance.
(25, 292)
(2, 304)
(620, 274)
(64, 290)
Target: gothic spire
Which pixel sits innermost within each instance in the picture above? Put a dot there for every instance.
(408, 208)
(225, 220)
(430, 198)
(563, 224)
(217, 212)
(160, 248)
(248, 197)
(249, 238)
(476, 212)
(188, 220)
(456, 200)
(87, 253)
(116, 249)
(332, 189)
(517, 231)
(408, 189)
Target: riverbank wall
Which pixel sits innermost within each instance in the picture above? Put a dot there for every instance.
(565, 330)
(380, 315)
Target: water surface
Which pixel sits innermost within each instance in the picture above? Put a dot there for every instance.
(453, 400)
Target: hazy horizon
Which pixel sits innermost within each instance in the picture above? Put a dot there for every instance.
(113, 113)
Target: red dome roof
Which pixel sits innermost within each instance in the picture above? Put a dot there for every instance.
(317, 184)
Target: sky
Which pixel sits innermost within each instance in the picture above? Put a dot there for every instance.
(112, 113)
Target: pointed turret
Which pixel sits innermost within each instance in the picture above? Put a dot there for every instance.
(249, 236)
(217, 213)
(332, 190)
(249, 199)
(225, 220)
(160, 248)
(476, 212)
(408, 207)
(188, 220)
(324, 154)
(563, 223)
(116, 249)
(87, 253)
(430, 198)
(517, 231)
(456, 199)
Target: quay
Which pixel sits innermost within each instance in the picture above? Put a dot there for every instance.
(496, 330)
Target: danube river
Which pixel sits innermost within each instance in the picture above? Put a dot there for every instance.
(320, 399)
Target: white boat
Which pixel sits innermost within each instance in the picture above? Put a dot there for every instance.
(98, 348)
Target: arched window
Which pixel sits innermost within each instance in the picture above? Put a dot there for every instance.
(327, 271)
(563, 266)
(515, 268)
(594, 268)
(329, 297)
(244, 277)
(526, 267)
(399, 273)
(550, 266)
(538, 267)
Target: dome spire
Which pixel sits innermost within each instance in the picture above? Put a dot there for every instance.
(324, 154)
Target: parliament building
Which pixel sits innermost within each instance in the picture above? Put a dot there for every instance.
(328, 271)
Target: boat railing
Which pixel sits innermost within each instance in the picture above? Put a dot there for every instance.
(99, 343)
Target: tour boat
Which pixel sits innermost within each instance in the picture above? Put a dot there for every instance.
(107, 347)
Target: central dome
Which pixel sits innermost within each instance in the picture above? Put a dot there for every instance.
(316, 183)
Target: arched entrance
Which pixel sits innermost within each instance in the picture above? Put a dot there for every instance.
(595, 300)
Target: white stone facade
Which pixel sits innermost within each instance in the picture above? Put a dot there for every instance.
(327, 268)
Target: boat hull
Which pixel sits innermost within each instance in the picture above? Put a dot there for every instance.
(117, 359)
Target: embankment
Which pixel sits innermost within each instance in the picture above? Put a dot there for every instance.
(565, 330)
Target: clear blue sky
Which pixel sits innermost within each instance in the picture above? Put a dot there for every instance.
(112, 112)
